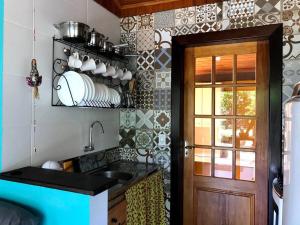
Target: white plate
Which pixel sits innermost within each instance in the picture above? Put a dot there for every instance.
(76, 85)
(86, 92)
(91, 88)
(115, 97)
(98, 92)
(118, 99)
(102, 93)
(88, 87)
(107, 94)
(111, 95)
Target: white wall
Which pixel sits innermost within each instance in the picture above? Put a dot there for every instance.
(55, 133)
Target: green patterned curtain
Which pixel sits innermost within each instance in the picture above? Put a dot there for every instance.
(145, 202)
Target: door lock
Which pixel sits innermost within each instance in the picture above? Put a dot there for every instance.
(187, 149)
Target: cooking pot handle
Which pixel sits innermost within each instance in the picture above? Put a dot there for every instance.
(56, 26)
(121, 45)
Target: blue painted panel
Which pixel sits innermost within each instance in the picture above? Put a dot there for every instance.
(1, 74)
(56, 207)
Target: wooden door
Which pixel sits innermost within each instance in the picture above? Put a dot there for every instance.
(226, 103)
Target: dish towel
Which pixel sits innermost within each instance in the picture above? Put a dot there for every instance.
(145, 202)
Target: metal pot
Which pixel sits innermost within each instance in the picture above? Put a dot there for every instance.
(73, 31)
(121, 49)
(102, 42)
(108, 46)
(94, 38)
(118, 50)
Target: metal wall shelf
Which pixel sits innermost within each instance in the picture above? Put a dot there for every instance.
(90, 50)
(60, 66)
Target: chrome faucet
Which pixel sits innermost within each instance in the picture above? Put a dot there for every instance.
(91, 146)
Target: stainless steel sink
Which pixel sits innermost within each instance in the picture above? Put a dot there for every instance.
(122, 177)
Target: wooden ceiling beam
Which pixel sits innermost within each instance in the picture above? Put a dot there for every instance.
(123, 8)
(111, 6)
(153, 6)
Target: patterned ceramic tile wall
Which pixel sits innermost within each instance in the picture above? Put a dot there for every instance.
(151, 34)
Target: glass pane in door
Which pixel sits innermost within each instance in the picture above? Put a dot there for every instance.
(202, 159)
(246, 68)
(225, 113)
(202, 131)
(223, 163)
(245, 133)
(224, 69)
(203, 99)
(203, 70)
(224, 101)
(224, 132)
(245, 166)
(246, 101)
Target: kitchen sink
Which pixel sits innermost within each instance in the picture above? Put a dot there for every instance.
(122, 177)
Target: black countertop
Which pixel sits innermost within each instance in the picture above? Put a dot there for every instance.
(73, 182)
(84, 182)
(139, 171)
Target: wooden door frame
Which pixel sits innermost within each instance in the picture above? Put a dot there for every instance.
(272, 33)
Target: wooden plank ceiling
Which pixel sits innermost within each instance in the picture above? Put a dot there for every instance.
(123, 8)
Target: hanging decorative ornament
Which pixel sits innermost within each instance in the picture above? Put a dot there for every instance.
(34, 80)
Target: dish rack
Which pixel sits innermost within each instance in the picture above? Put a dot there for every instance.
(60, 66)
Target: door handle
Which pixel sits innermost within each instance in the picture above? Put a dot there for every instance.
(187, 149)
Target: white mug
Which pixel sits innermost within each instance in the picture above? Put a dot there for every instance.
(88, 64)
(127, 75)
(119, 73)
(74, 61)
(111, 71)
(100, 67)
